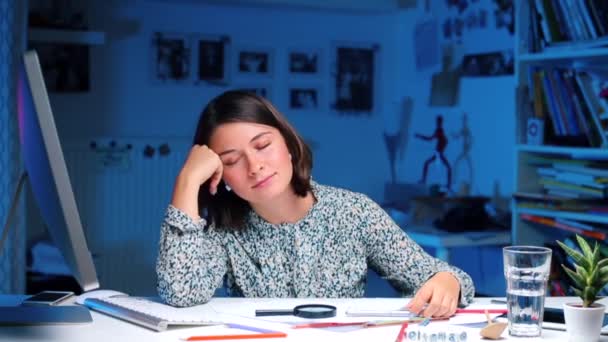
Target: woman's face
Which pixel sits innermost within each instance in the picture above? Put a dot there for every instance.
(257, 163)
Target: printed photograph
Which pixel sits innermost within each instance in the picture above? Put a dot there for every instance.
(65, 66)
(255, 62)
(171, 57)
(303, 98)
(354, 83)
(488, 64)
(212, 54)
(303, 62)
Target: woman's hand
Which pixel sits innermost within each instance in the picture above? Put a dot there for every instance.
(201, 165)
(441, 292)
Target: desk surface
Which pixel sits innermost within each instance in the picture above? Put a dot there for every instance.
(240, 310)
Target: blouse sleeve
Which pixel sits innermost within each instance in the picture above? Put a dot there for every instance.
(396, 257)
(191, 261)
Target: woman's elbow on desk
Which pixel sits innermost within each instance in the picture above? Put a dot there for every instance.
(184, 297)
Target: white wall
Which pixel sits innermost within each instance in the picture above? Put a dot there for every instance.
(489, 103)
(351, 151)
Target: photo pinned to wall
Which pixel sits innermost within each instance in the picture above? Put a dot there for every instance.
(498, 63)
(255, 61)
(467, 19)
(504, 15)
(171, 57)
(264, 91)
(355, 78)
(304, 97)
(445, 85)
(304, 62)
(212, 56)
(66, 67)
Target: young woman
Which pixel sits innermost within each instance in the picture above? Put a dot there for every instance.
(270, 231)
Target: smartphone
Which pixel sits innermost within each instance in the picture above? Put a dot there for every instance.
(48, 298)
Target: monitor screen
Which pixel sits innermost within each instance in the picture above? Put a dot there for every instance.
(48, 174)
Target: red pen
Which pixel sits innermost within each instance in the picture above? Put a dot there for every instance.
(401, 332)
(482, 311)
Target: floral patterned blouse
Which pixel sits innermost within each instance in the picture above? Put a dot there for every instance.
(326, 254)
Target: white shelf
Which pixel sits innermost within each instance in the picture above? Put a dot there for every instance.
(66, 36)
(565, 55)
(574, 55)
(565, 214)
(574, 152)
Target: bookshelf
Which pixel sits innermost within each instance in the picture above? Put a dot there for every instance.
(561, 55)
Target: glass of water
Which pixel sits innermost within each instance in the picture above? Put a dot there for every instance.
(526, 272)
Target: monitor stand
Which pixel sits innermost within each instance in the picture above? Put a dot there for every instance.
(43, 314)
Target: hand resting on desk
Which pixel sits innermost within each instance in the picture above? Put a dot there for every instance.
(441, 292)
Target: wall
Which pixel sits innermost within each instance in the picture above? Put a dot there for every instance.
(488, 101)
(124, 101)
(351, 151)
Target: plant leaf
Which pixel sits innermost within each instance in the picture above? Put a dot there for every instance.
(579, 281)
(576, 255)
(583, 273)
(587, 252)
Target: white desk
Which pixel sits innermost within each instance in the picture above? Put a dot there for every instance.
(240, 310)
(442, 240)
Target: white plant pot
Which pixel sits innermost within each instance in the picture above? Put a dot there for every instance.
(584, 324)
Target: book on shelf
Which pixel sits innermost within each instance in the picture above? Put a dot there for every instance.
(571, 102)
(556, 201)
(589, 231)
(567, 24)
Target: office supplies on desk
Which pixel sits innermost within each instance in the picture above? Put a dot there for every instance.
(493, 330)
(481, 311)
(363, 324)
(304, 311)
(149, 314)
(258, 333)
(401, 334)
(327, 325)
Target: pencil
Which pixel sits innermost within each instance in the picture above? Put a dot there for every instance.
(401, 332)
(326, 324)
(481, 311)
(236, 336)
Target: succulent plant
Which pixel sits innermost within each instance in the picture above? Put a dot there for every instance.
(590, 273)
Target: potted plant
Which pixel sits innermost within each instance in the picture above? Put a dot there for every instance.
(590, 274)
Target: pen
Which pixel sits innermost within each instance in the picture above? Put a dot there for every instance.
(401, 332)
(481, 311)
(235, 336)
(375, 324)
(326, 325)
(498, 301)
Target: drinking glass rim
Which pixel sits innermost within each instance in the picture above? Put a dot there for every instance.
(526, 249)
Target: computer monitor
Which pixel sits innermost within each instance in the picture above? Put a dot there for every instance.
(48, 174)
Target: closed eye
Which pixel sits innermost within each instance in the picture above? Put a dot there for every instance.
(263, 146)
(231, 162)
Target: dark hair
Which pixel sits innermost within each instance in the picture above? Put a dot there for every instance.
(226, 209)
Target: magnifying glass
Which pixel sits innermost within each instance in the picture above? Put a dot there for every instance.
(304, 311)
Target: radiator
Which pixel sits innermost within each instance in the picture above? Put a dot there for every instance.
(122, 189)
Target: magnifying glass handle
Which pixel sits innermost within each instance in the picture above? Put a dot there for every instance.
(273, 312)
